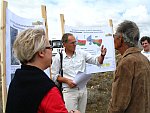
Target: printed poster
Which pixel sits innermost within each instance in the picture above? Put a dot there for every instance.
(15, 24)
(90, 39)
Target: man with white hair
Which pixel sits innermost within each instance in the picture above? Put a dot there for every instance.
(131, 85)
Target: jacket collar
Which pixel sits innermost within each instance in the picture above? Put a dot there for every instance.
(130, 51)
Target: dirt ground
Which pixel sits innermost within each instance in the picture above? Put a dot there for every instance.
(99, 90)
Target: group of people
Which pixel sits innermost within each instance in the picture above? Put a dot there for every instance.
(32, 91)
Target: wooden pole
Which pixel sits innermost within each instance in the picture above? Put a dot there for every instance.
(3, 54)
(111, 24)
(44, 15)
(62, 20)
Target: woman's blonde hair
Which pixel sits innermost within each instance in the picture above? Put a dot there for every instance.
(28, 43)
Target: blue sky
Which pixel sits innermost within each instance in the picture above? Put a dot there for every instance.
(85, 12)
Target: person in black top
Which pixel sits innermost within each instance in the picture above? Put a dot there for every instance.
(31, 90)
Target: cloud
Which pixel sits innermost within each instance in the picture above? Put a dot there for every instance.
(139, 15)
(85, 12)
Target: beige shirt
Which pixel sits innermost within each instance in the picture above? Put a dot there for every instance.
(131, 86)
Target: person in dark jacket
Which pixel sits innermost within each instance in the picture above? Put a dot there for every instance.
(31, 90)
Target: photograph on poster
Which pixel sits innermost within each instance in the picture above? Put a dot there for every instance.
(13, 34)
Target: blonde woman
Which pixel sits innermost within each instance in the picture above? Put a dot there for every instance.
(31, 90)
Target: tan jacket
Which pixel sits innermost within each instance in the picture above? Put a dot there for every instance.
(131, 86)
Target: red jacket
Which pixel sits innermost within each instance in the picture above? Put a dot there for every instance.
(52, 103)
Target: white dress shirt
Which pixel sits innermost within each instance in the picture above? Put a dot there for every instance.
(71, 66)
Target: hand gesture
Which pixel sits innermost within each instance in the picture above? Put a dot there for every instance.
(103, 51)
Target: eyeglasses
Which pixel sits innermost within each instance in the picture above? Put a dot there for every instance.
(50, 47)
(72, 42)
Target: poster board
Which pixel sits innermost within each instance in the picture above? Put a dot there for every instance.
(11, 25)
(90, 39)
(14, 25)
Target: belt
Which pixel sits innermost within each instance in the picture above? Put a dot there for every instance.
(71, 88)
(67, 89)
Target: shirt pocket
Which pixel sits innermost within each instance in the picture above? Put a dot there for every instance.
(79, 63)
(67, 64)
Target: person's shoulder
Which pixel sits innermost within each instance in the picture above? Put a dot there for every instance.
(128, 59)
(133, 59)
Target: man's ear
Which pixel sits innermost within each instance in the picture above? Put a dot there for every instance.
(41, 53)
(64, 44)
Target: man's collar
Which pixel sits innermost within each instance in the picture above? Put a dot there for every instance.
(130, 51)
(65, 55)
